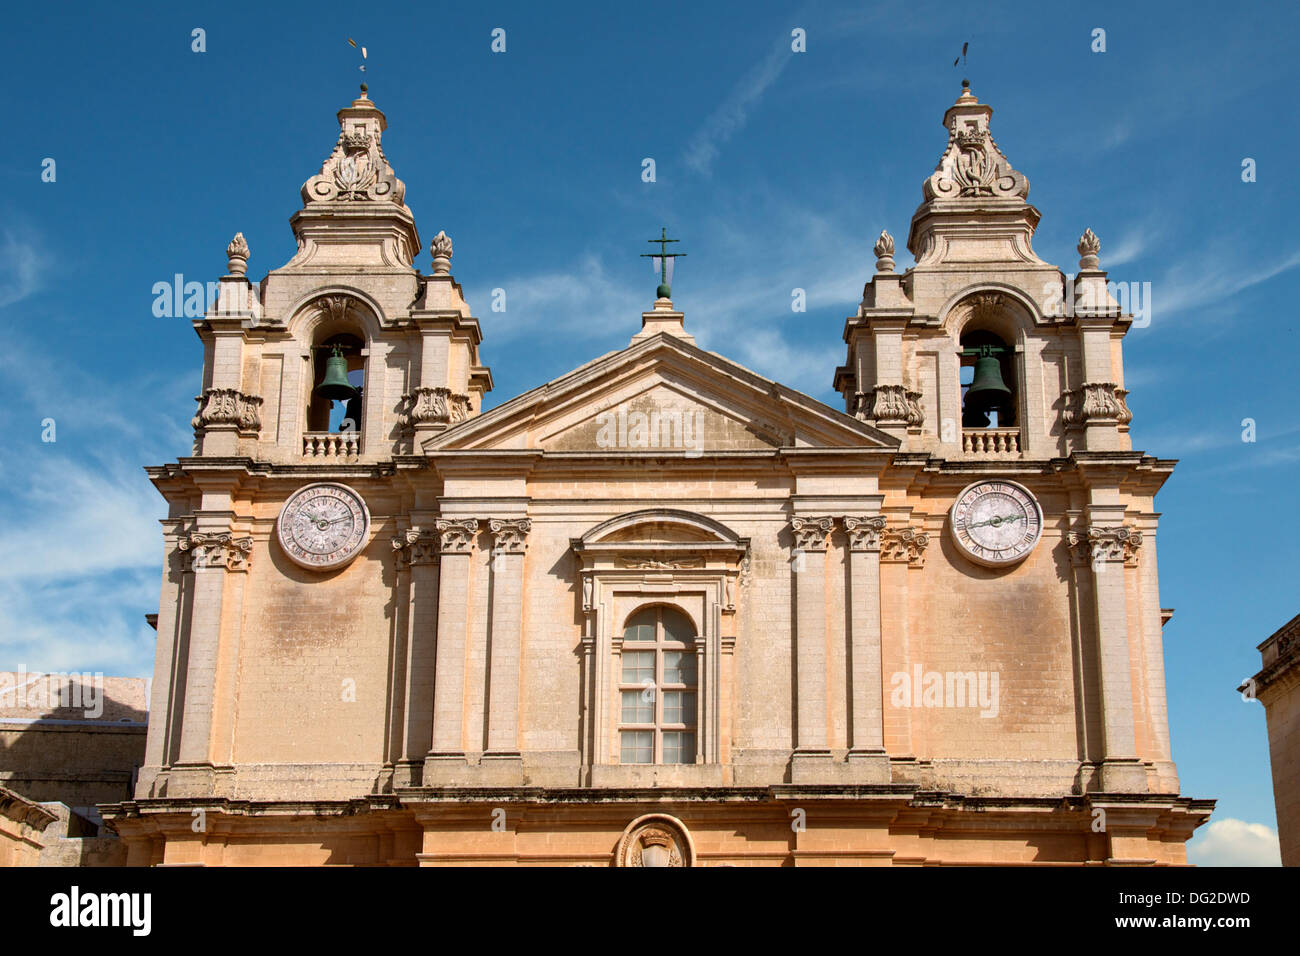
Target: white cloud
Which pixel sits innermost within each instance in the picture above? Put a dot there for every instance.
(22, 265)
(1231, 842)
(1195, 285)
(729, 118)
(741, 309)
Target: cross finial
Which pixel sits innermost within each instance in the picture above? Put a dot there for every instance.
(663, 257)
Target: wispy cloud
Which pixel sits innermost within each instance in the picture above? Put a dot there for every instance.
(80, 547)
(1194, 285)
(729, 118)
(741, 309)
(1231, 842)
(22, 266)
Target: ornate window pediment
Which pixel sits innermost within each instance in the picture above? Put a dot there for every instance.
(658, 557)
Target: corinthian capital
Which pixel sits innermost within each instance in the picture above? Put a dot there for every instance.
(904, 544)
(415, 546)
(864, 532)
(810, 534)
(509, 535)
(220, 550)
(1106, 545)
(457, 535)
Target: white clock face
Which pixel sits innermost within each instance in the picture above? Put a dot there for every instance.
(323, 526)
(996, 523)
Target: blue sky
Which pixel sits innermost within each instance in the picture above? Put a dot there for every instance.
(777, 170)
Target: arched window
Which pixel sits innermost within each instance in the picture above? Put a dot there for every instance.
(658, 688)
(988, 381)
(338, 379)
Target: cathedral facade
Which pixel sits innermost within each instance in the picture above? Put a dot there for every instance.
(661, 610)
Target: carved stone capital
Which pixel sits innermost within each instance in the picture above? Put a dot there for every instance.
(1106, 545)
(432, 405)
(228, 406)
(456, 535)
(509, 535)
(214, 550)
(811, 534)
(890, 403)
(904, 545)
(1096, 402)
(415, 546)
(864, 532)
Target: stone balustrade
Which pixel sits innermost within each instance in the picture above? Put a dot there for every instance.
(340, 445)
(991, 442)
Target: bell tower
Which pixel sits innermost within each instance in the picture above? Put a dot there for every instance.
(975, 353)
(990, 365)
(346, 353)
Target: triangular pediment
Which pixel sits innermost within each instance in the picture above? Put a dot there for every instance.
(661, 393)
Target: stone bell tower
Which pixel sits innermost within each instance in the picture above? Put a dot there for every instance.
(978, 283)
(1046, 357)
(409, 340)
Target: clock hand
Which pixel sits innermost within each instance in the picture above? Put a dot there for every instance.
(996, 521)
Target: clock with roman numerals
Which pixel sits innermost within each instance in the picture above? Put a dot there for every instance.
(323, 526)
(995, 522)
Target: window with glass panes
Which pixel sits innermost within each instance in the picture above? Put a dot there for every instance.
(657, 688)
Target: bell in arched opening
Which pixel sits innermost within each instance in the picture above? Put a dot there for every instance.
(335, 385)
(988, 393)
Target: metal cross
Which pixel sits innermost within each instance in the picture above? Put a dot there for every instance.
(663, 255)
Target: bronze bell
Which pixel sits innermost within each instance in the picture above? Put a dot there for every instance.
(987, 391)
(335, 385)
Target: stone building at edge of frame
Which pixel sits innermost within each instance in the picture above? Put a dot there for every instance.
(662, 610)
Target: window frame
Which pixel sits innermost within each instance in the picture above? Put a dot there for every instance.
(660, 647)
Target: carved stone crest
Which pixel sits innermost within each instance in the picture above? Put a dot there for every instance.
(655, 839)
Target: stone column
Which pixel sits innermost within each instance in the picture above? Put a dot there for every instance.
(812, 754)
(509, 542)
(178, 577)
(904, 549)
(867, 741)
(211, 555)
(416, 552)
(456, 544)
(1109, 547)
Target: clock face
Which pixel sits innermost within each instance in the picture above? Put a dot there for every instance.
(323, 526)
(996, 523)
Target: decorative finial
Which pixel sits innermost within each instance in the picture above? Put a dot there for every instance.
(364, 90)
(1089, 246)
(965, 84)
(885, 252)
(441, 249)
(663, 263)
(237, 253)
